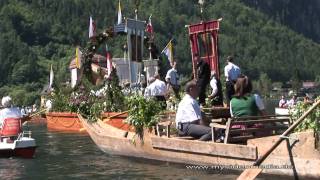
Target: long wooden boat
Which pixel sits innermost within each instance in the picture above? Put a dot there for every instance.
(64, 121)
(297, 156)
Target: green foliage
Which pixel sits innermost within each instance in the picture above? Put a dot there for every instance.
(311, 122)
(61, 100)
(142, 113)
(91, 101)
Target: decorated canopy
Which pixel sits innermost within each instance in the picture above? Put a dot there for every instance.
(204, 43)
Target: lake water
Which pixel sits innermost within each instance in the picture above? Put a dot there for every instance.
(75, 156)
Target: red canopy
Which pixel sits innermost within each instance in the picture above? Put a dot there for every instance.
(204, 43)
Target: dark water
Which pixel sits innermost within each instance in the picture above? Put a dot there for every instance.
(75, 156)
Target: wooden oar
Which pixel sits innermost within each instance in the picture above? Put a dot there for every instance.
(27, 118)
(108, 118)
(249, 174)
(36, 113)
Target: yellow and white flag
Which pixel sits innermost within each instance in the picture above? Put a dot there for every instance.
(168, 51)
(78, 58)
(119, 14)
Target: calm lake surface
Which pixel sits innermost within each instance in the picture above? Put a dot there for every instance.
(75, 156)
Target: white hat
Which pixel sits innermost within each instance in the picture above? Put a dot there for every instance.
(6, 101)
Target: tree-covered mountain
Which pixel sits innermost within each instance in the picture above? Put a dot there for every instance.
(300, 15)
(37, 33)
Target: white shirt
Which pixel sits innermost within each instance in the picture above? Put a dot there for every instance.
(231, 72)
(12, 112)
(291, 103)
(258, 102)
(282, 103)
(172, 76)
(188, 110)
(48, 105)
(213, 84)
(157, 88)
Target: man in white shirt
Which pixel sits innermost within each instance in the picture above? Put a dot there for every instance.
(231, 72)
(8, 111)
(188, 116)
(216, 95)
(158, 90)
(172, 78)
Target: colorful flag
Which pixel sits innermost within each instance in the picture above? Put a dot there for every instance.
(92, 28)
(109, 61)
(168, 51)
(51, 78)
(149, 27)
(78, 58)
(119, 14)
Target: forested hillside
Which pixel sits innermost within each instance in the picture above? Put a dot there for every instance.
(37, 33)
(299, 15)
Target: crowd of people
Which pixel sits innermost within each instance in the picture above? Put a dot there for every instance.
(240, 99)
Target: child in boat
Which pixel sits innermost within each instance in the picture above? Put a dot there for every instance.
(188, 116)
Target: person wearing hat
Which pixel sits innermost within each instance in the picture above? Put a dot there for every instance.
(188, 115)
(8, 111)
(216, 95)
(231, 72)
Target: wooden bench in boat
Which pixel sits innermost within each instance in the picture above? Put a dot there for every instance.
(240, 129)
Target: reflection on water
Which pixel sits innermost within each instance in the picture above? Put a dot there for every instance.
(75, 156)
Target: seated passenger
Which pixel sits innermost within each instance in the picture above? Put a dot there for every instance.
(158, 90)
(8, 111)
(216, 95)
(292, 102)
(243, 102)
(189, 115)
(282, 102)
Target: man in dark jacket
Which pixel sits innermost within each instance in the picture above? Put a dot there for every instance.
(203, 78)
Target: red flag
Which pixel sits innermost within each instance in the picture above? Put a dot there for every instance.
(149, 27)
(109, 62)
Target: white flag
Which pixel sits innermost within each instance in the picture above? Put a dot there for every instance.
(51, 78)
(119, 14)
(168, 51)
(92, 28)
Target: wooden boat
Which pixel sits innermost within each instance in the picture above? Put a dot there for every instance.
(281, 111)
(291, 158)
(64, 121)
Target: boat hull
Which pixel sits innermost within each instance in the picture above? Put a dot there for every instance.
(216, 155)
(64, 121)
(24, 147)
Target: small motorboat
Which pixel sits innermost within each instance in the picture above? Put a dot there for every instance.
(14, 141)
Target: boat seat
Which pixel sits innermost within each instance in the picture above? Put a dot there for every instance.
(163, 127)
(11, 127)
(240, 129)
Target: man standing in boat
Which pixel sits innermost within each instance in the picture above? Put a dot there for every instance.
(203, 78)
(231, 72)
(189, 115)
(172, 78)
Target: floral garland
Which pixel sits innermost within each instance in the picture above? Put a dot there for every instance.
(91, 48)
